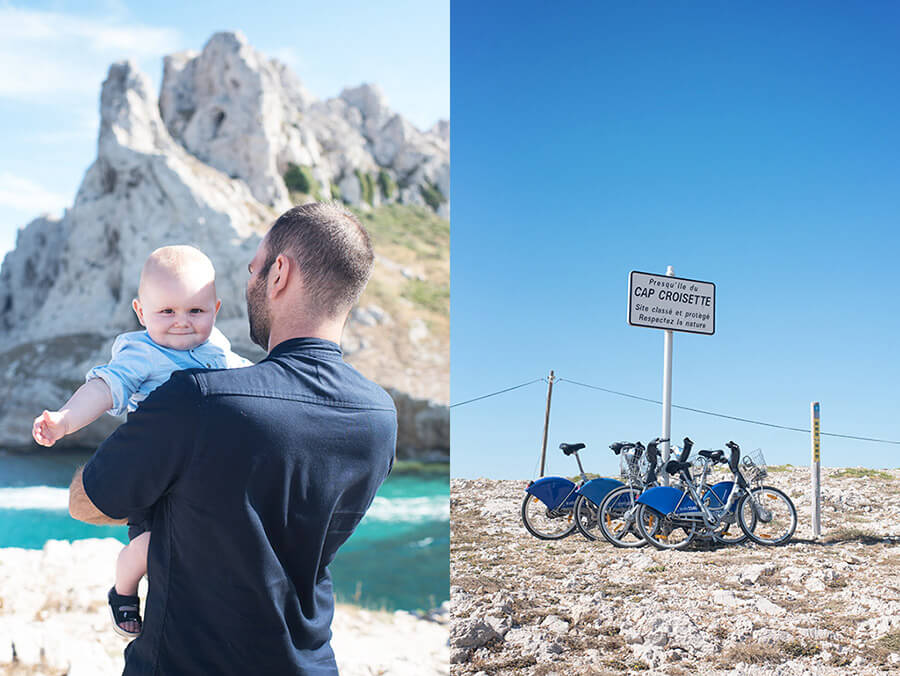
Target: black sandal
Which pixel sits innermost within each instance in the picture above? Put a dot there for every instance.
(124, 609)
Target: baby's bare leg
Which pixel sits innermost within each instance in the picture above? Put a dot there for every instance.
(132, 565)
(130, 568)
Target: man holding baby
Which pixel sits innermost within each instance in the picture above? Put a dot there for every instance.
(257, 475)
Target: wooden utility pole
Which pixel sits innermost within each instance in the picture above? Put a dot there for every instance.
(546, 423)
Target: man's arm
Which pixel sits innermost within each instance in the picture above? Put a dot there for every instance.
(81, 507)
(144, 458)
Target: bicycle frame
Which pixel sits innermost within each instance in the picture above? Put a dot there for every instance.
(685, 504)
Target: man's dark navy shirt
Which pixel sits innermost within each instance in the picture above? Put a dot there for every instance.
(257, 475)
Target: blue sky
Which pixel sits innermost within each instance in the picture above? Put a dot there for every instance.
(754, 146)
(54, 56)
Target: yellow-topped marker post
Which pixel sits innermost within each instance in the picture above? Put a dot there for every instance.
(816, 472)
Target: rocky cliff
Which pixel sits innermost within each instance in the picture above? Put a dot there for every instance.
(232, 141)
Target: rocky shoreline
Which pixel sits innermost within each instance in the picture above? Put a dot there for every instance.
(829, 606)
(54, 620)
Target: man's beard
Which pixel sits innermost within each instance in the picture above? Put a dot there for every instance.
(258, 314)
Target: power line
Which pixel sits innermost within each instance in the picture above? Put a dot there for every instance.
(494, 394)
(683, 408)
(729, 417)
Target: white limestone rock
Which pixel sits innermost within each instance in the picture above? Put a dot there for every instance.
(29, 270)
(252, 118)
(472, 634)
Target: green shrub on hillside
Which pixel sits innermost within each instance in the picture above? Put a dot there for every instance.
(336, 192)
(367, 186)
(432, 195)
(387, 184)
(300, 179)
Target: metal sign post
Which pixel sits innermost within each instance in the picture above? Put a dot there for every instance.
(667, 393)
(672, 304)
(816, 473)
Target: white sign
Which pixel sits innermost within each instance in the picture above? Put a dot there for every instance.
(673, 303)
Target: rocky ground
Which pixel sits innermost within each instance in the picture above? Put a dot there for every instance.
(829, 606)
(54, 621)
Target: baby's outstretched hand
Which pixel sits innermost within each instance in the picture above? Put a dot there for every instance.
(49, 427)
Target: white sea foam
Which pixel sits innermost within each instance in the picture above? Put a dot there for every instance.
(34, 497)
(410, 510)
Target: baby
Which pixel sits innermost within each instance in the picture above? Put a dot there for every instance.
(177, 304)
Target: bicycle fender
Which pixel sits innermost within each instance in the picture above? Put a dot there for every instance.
(552, 491)
(596, 489)
(662, 498)
(722, 490)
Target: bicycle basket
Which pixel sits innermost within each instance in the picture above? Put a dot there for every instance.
(753, 466)
(632, 469)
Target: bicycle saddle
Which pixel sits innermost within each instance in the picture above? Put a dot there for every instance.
(674, 466)
(715, 456)
(619, 446)
(569, 449)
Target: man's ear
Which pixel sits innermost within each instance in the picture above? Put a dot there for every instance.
(278, 275)
(138, 310)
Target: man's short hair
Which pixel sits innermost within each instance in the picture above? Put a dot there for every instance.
(332, 250)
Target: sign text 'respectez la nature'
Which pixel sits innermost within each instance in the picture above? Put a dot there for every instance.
(673, 303)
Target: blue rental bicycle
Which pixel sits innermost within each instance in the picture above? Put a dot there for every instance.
(670, 518)
(634, 466)
(616, 514)
(548, 509)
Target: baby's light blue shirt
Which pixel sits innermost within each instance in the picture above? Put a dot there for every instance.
(139, 365)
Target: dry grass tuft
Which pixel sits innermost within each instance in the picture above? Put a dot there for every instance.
(861, 473)
(750, 653)
(800, 649)
(887, 644)
(495, 666)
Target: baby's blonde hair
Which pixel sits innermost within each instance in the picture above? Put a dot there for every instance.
(179, 261)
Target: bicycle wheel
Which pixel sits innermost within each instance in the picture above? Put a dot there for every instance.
(544, 523)
(730, 531)
(767, 516)
(586, 517)
(661, 532)
(617, 517)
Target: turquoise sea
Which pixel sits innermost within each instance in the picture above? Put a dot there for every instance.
(397, 558)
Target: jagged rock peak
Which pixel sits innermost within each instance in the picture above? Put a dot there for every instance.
(226, 106)
(441, 129)
(129, 117)
(251, 118)
(370, 101)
